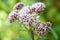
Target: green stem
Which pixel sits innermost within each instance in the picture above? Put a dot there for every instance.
(32, 33)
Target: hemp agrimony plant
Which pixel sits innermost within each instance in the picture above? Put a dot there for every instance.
(29, 17)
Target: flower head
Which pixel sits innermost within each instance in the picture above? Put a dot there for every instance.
(28, 16)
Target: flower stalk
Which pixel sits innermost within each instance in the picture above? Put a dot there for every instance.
(32, 33)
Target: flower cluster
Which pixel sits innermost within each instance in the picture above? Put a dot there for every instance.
(27, 15)
(38, 7)
(18, 6)
(43, 29)
(12, 16)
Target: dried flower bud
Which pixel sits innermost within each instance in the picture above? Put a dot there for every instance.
(18, 6)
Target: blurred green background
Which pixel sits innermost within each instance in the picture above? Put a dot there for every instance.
(15, 31)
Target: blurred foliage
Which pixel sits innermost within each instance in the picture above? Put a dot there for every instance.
(15, 31)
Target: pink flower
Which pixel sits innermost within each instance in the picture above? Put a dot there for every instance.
(38, 7)
(43, 29)
(12, 15)
(27, 15)
(18, 6)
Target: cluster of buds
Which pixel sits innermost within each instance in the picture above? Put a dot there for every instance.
(18, 6)
(43, 29)
(12, 16)
(28, 16)
(38, 7)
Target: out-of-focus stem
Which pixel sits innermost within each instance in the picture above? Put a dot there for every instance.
(32, 33)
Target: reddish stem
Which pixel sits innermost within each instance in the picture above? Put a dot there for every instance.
(32, 34)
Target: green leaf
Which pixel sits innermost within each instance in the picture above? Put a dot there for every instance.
(21, 39)
(54, 33)
(56, 27)
(43, 38)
